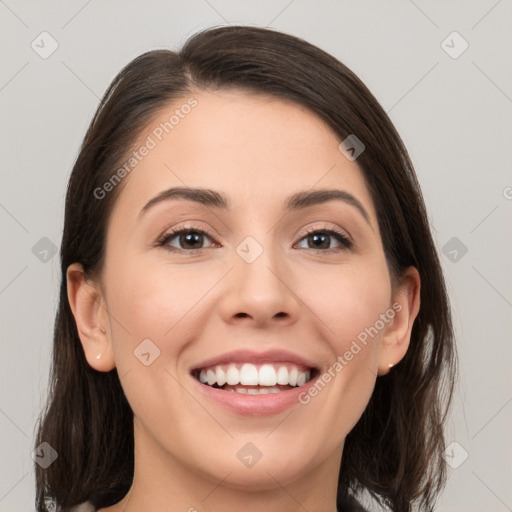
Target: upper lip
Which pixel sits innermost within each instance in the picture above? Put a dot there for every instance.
(251, 356)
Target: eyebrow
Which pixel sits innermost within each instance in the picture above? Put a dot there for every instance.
(213, 199)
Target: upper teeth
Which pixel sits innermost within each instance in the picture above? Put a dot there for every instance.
(252, 375)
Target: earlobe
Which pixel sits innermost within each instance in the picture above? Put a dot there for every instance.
(406, 304)
(91, 317)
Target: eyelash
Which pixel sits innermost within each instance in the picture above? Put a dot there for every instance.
(167, 237)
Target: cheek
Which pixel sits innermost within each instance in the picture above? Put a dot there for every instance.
(151, 301)
(349, 302)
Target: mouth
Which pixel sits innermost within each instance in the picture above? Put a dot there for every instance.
(255, 379)
(254, 384)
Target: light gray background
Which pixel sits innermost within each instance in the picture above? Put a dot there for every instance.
(454, 115)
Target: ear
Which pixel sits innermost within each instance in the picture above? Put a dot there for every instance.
(91, 316)
(406, 305)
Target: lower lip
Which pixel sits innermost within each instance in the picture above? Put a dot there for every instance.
(254, 405)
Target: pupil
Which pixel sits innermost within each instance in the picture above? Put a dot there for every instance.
(317, 237)
(192, 237)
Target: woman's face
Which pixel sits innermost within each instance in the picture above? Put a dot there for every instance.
(259, 296)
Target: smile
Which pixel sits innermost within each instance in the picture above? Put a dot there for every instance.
(254, 379)
(246, 382)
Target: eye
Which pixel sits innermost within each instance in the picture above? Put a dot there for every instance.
(191, 239)
(319, 239)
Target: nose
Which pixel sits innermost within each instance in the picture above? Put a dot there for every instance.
(260, 293)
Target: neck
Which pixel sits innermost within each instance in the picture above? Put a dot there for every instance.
(162, 483)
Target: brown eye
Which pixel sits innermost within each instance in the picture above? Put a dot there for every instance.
(187, 239)
(321, 239)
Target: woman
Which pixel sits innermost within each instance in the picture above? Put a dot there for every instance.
(252, 310)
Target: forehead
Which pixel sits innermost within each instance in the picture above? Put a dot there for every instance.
(245, 145)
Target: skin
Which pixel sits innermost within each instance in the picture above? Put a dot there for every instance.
(257, 150)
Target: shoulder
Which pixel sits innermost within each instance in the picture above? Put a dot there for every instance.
(84, 507)
(349, 504)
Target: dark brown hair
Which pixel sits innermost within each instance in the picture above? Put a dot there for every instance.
(394, 451)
